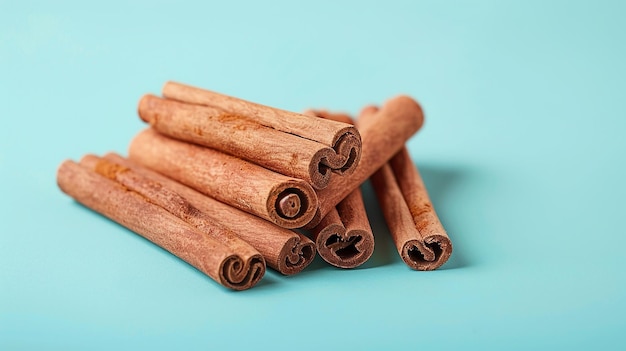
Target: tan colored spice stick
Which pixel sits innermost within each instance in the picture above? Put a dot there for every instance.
(327, 132)
(214, 251)
(344, 237)
(243, 137)
(415, 227)
(383, 136)
(285, 201)
(284, 250)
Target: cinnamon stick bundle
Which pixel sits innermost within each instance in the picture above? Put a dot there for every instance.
(284, 250)
(155, 213)
(282, 200)
(420, 238)
(288, 143)
(383, 136)
(344, 237)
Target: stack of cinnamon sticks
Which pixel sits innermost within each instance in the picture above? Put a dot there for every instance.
(230, 186)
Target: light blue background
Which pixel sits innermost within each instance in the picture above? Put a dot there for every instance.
(523, 152)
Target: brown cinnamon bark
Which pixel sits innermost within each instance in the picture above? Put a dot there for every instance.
(284, 250)
(213, 250)
(420, 239)
(285, 201)
(383, 136)
(333, 116)
(289, 143)
(344, 236)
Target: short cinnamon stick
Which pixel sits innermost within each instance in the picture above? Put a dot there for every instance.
(241, 136)
(284, 250)
(344, 237)
(213, 250)
(383, 136)
(285, 201)
(413, 223)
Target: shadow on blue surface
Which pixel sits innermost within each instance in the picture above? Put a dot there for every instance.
(439, 182)
(265, 282)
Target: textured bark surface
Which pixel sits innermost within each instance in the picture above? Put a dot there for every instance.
(136, 204)
(413, 223)
(383, 135)
(286, 251)
(245, 138)
(239, 183)
(344, 237)
(327, 132)
(323, 145)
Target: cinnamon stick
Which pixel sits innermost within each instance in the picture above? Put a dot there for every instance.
(420, 238)
(284, 250)
(344, 237)
(153, 213)
(289, 143)
(385, 134)
(285, 201)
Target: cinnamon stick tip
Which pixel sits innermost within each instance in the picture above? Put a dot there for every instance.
(428, 255)
(145, 107)
(238, 274)
(344, 248)
(287, 211)
(169, 84)
(296, 255)
(60, 169)
(406, 106)
(369, 109)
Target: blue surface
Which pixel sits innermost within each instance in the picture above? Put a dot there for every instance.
(523, 153)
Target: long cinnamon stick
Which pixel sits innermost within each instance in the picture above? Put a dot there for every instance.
(284, 250)
(213, 250)
(383, 136)
(285, 201)
(327, 132)
(420, 239)
(344, 237)
(242, 136)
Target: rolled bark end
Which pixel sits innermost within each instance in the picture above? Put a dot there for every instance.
(406, 106)
(428, 255)
(215, 252)
(241, 275)
(296, 255)
(348, 146)
(292, 204)
(367, 111)
(341, 159)
(289, 206)
(344, 249)
(146, 110)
